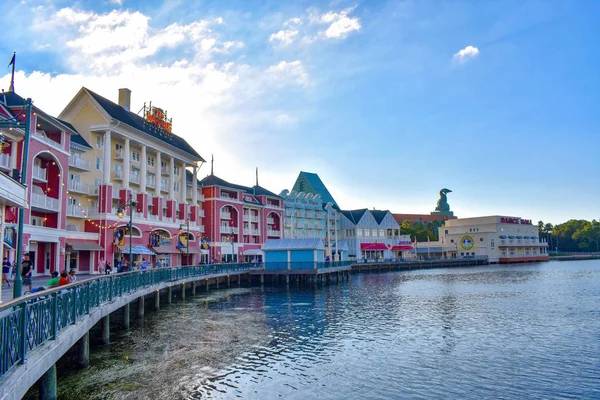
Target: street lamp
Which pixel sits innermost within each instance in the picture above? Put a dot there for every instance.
(121, 214)
(187, 239)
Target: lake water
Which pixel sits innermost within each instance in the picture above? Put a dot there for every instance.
(512, 332)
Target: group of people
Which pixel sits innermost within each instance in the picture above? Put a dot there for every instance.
(123, 265)
(58, 279)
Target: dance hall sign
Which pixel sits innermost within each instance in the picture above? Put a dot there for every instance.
(514, 220)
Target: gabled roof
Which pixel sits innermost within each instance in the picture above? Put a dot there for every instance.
(135, 121)
(354, 216)
(311, 183)
(213, 180)
(261, 191)
(379, 215)
(76, 139)
(11, 99)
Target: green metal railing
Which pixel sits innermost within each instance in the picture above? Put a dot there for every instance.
(30, 321)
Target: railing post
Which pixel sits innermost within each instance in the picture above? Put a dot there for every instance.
(54, 328)
(23, 329)
(74, 306)
(88, 295)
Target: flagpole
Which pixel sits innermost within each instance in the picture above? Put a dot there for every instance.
(12, 78)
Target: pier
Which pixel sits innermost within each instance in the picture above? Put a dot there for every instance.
(408, 264)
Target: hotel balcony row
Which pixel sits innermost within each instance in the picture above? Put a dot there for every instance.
(152, 183)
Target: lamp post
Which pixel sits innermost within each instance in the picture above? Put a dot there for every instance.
(120, 214)
(16, 123)
(187, 239)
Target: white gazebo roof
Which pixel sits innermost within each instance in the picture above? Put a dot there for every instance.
(294, 244)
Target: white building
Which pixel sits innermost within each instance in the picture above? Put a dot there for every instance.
(502, 239)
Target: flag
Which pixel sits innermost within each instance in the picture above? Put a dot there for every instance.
(428, 242)
(12, 60)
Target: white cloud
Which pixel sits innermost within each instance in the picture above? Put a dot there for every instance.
(340, 24)
(466, 54)
(284, 38)
(119, 2)
(285, 72)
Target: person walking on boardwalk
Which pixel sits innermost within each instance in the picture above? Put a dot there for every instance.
(5, 271)
(26, 270)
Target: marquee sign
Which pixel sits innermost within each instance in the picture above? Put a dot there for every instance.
(512, 220)
(158, 117)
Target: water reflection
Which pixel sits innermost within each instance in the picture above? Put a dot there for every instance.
(512, 332)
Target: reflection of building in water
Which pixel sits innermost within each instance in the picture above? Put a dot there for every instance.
(502, 239)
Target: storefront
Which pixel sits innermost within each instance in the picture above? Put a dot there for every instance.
(81, 254)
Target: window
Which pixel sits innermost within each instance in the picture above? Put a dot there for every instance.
(176, 170)
(382, 233)
(375, 232)
(99, 141)
(359, 232)
(118, 167)
(118, 146)
(389, 232)
(367, 232)
(135, 156)
(446, 231)
(176, 186)
(492, 246)
(151, 161)
(99, 163)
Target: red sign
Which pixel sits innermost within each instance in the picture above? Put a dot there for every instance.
(510, 220)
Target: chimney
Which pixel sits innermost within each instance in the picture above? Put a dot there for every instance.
(125, 98)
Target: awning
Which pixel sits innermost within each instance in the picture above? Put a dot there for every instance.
(502, 236)
(165, 250)
(253, 252)
(396, 248)
(83, 245)
(137, 249)
(373, 246)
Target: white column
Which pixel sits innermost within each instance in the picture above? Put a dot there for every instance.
(195, 185)
(126, 167)
(172, 179)
(13, 156)
(158, 176)
(144, 163)
(107, 157)
(183, 186)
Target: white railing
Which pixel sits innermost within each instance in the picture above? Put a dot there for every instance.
(72, 227)
(80, 163)
(5, 160)
(43, 201)
(118, 174)
(137, 214)
(246, 217)
(164, 187)
(39, 173)
(78, 187)
(272, 232)
(225, 215)
(270, 220)
(164, 170)
(254, 232)
(200, 197)
(201, 213)
(153, 217)
(42, 136)
(119, 153)
(134, 179)
(150, 183)
(95, 189)
(254, 218)
(116, 192)
(229, 229)
(74, 210)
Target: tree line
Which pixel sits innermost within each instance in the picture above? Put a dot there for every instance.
(420, 230)
(573, 235)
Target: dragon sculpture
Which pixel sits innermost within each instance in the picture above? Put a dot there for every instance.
(442, 204)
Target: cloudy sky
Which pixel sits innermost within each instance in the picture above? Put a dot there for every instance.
(388, 101)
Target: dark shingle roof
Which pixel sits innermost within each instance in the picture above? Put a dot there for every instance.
(379, 215)
(135, 121)
(213, 180)
(76, 139)
(354, 215)
(309, 182)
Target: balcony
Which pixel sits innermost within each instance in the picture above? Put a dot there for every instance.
(254, 218)
(44, 202)
(229, 229)
(134, 179)
(164, 171)
(139, 215)
(79, 163)
(116, 192)
(118, 175)
(76, 211)
(254, 232)
(270, 221)
(78, 187)
(39, 174)
(273, 232)
(41, 135)
(164, 187)
(200, 197)
(152, 217)
(246, 217)
(225, 215)
(119, 154)
(151, 183)
(5, 161)
(201, 213)
(72, 227)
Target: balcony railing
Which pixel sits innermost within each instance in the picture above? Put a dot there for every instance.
(150, 183)
(200, 197)
(270, 220)
(246, 217)
(118, 174)
(152, 217)
(43, 201)
(225, 215)
(254, 218)
(201, 213)
(254, 232)
(119, 154)
(272, 232)
(39, 173)
(78, 187)
(164, 187)
(134, 179)
(42, 136)
(72, 227)
(116, 192)
(79, 163)
(164, 170)
(229, 229)
(76, 211)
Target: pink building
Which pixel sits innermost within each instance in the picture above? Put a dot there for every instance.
(240, 219)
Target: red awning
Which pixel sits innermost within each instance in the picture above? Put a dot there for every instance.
(165, 250)
(396, 248)
(373, 246)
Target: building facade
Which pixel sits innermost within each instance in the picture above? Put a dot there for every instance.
(502, 239)
(133, 167)
(373, 234)
(241, 219)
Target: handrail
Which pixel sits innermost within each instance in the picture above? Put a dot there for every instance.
(30, 321)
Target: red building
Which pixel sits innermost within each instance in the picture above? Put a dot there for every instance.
(240, 219)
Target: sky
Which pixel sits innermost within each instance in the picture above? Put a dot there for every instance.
(388, 101)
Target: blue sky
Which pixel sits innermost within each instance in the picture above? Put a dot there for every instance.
(388, 101)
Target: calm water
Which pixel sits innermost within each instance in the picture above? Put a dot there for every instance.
(512, 332)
